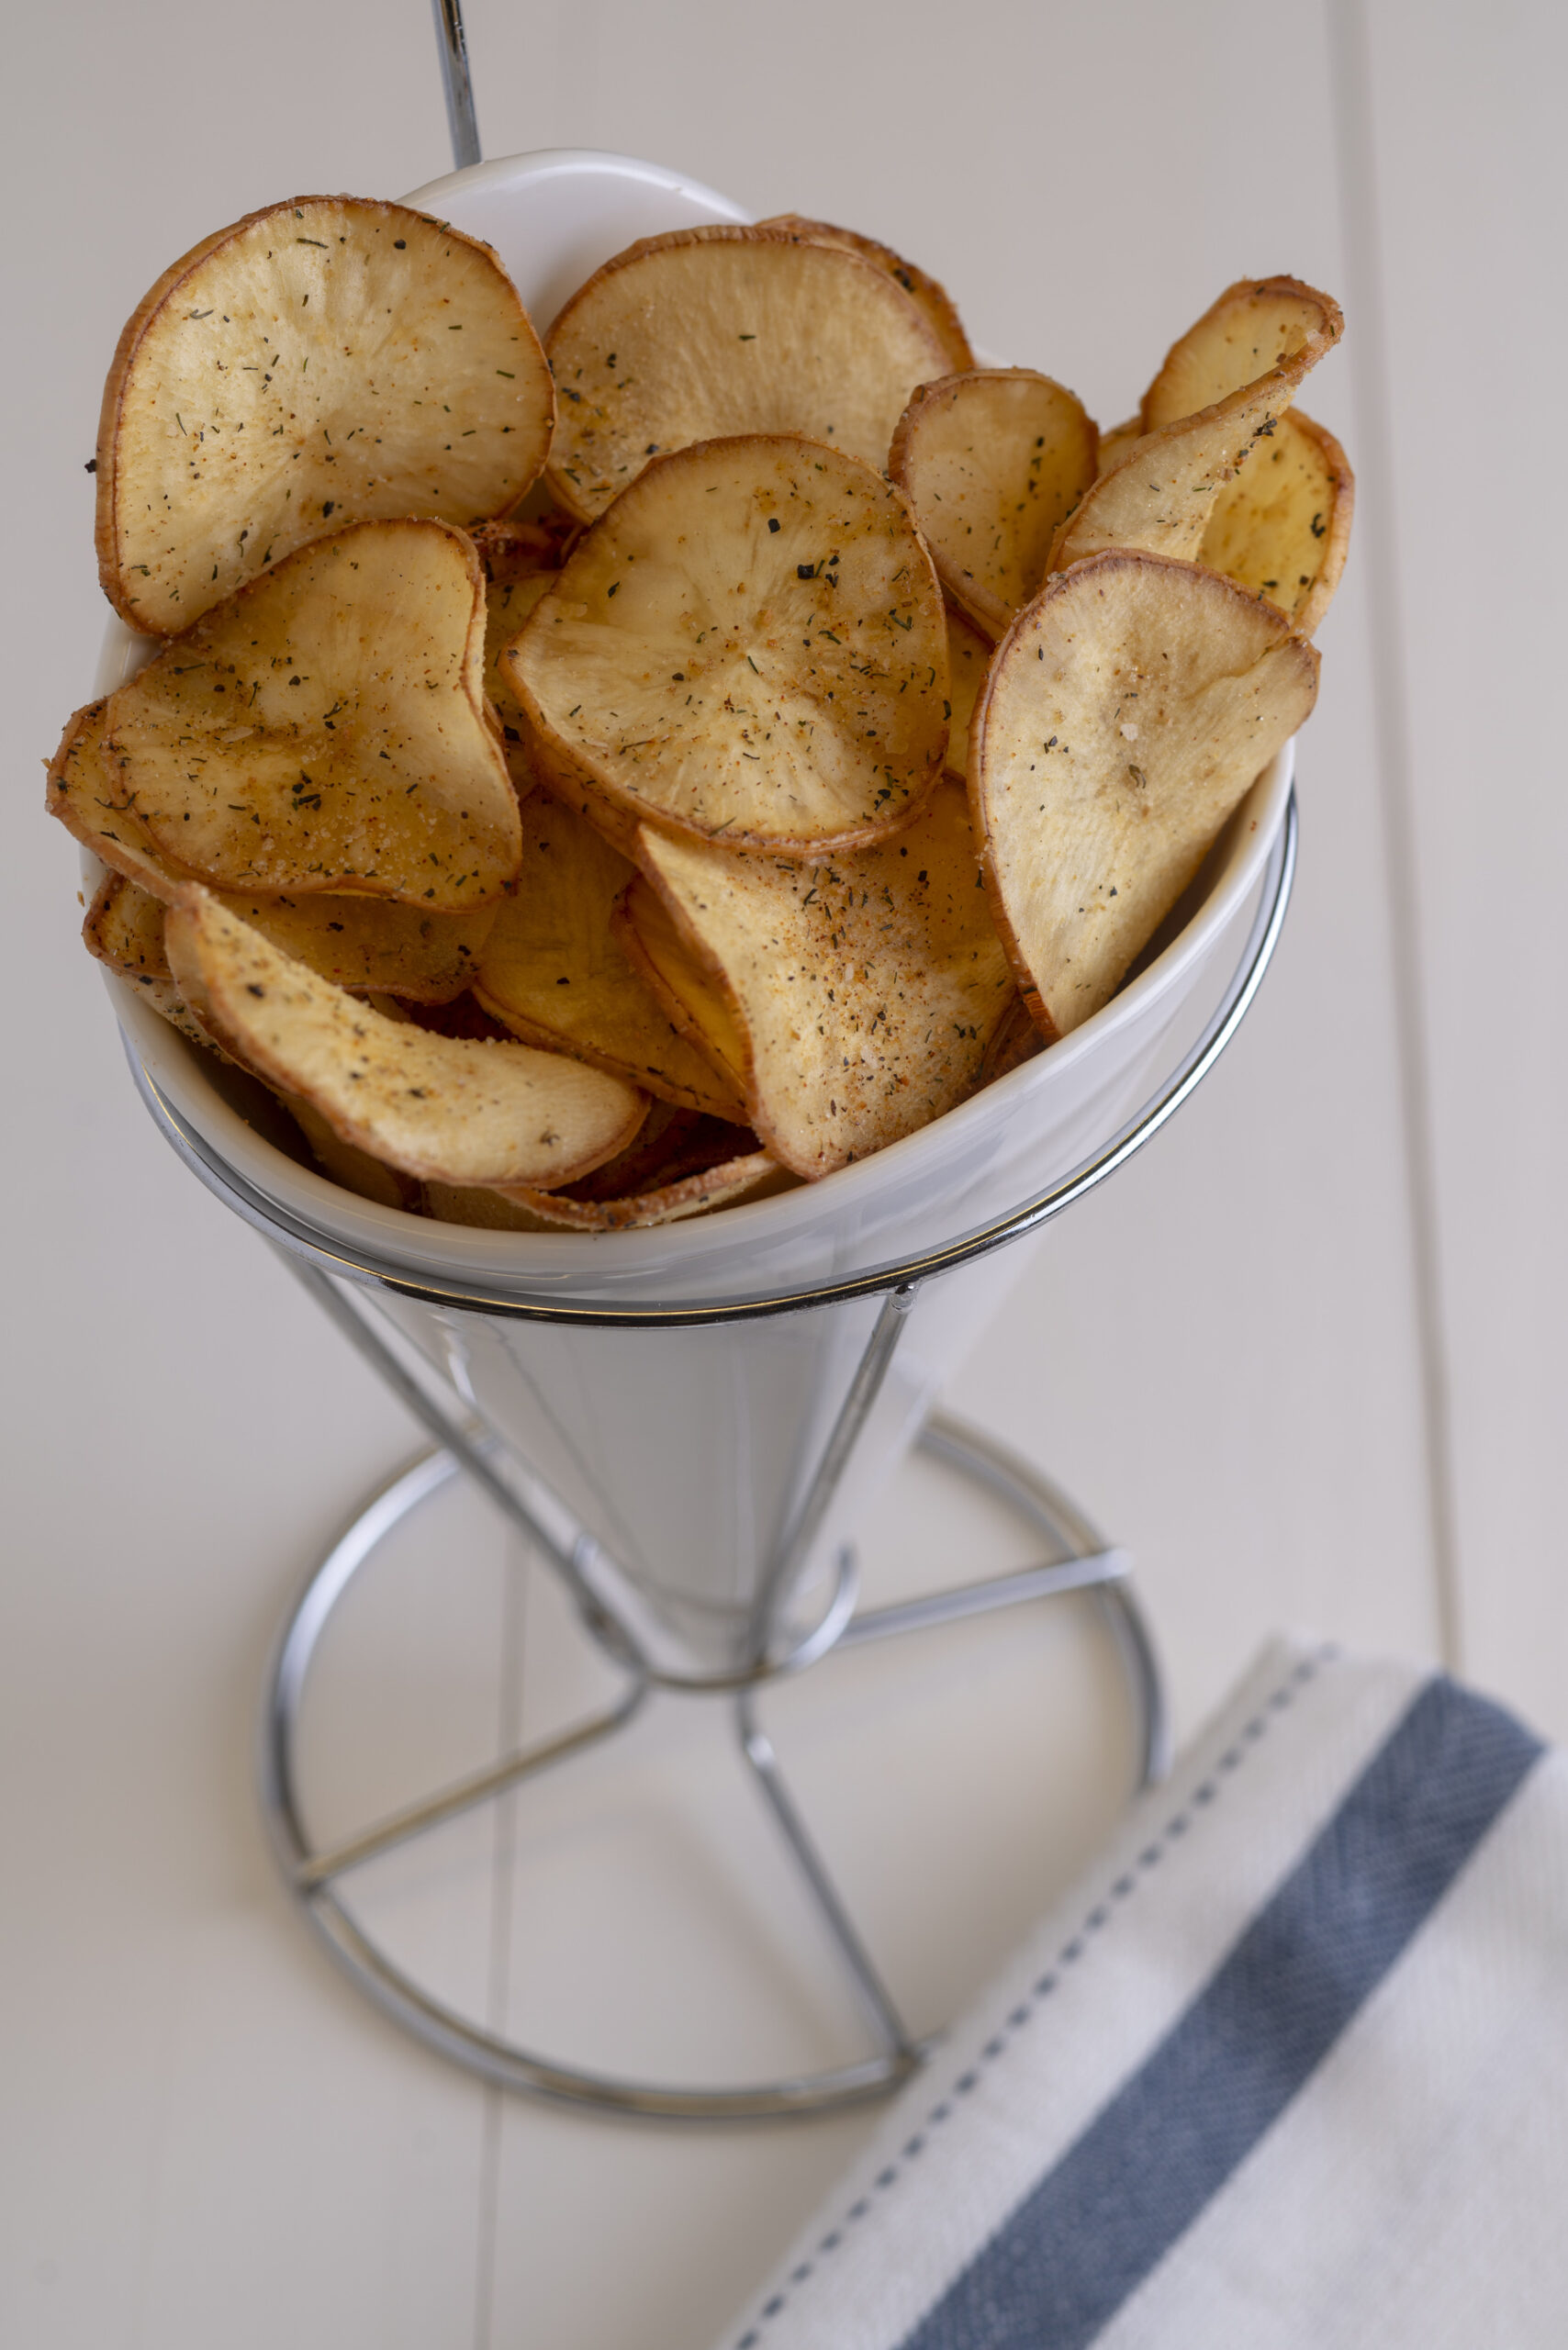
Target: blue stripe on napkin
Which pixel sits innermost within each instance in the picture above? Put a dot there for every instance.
(1096, 2225)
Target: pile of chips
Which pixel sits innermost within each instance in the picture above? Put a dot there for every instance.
(596, 780)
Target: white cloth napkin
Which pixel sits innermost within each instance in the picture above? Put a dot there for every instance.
(1290, 2066)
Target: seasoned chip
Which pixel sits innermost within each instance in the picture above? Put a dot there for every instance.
(1283, 527)
(867, 986)
(326, 361)
(1126, 712)
(84, 792)
(750, 646)
(446, 1111)
(326, 728)
(678, 979)
(933, 299)
(1255, 326)
(356, 1169)
(993, 462)
(714, 333)
(124, 928)
(1162, 493)
(556, 974)
(969, 658)
(753, 1177)
(508, 603)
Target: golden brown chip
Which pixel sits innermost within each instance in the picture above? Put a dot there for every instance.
(691, 998)
(326, 729)
(969, 658)
(326, 361)
(933, 299)
(354, 1169)
(84, 792)
(508, 603)
(749, 647)
(993, 462)
(124, 928)
(443, 1110)
(714, 332)
(680, 1165)
(1283, 528)
(556, 974)
(867, 986)
(753, 1177)
(1114, 444)
(1126, 712)
(1162, 493)
(1255, 327)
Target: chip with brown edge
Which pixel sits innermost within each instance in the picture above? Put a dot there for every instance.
(1256, 326)
(1162, 493)
(326, 729)
(83, 792)
(444, 1110)
(508, 603)
(1127, 711)
(556, 972)
(866, 986)
(933, 299)
(327, 360)
(749, 647)
(969, 658)
(124, 928)
(993, 461)
(718, 331)
(1283, 527)
(693, 1002)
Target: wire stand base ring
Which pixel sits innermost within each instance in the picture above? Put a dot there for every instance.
(1081, 1562)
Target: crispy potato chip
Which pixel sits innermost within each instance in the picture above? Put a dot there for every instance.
(354, 1169)
(1126, 712)
(993, 462)
(446, 1111)
(750, 646)
(866, 988)
(324, 362)
(692, 997)
(680, 1165)
(1114, 444)
(326, 729)
(1160, 495)
(1255, 326)
(508, 603)
(1283, 527)
(969, 658)
(933, 299)
(124, 928)
(364, 943)
(82, 791)
(554, 972)
(714, 333)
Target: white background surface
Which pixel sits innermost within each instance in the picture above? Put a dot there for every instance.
(1304, 1356)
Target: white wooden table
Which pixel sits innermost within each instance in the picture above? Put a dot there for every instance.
(1303, 1356)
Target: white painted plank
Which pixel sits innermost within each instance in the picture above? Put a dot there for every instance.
(1465, 174)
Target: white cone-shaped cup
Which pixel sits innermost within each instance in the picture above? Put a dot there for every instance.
(676, 1389)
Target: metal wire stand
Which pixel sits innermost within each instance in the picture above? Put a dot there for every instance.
(1078, 1561)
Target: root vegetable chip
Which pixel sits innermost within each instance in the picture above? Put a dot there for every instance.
(1283, 527)
(556, 974)
(1162, 493)
(749, 646)
(693, 1002)
(508, 603)
(993, 462)
(969, 657)
(1127, 711)
(867, 986)
(124, 928)
(326, 729)
(1255, 326)
(428, 1105)
(715, 332)
(84, 792)
(326, 361)
(932, 299)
